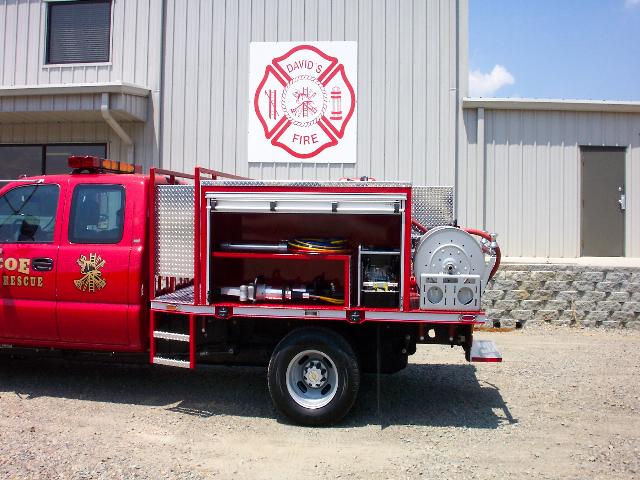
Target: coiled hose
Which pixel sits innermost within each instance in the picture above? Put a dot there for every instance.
(471, 231)
(319, 245)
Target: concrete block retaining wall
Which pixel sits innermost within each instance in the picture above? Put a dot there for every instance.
(564, 294)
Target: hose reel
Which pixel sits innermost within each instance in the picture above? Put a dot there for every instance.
(451, 270)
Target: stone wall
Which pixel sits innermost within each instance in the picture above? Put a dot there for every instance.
(564, 295)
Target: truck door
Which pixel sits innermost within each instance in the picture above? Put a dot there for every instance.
(93, 267)
(29, 238)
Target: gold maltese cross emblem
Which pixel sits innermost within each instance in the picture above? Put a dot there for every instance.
(91, 280)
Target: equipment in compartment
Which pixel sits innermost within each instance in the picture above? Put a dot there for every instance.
(378, 277)
(280, 247)
(259, 291)
(319, 245)
(295, 245)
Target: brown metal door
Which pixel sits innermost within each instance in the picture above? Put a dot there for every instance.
(603, 201)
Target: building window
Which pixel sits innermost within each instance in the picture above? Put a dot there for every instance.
(56, 156)
(97, 214)
(78, 31)
(30, 160)
(17, 160)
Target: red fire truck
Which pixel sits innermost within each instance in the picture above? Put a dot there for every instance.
(321, 281)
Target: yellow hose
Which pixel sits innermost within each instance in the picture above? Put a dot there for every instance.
(319, 245)
(334, 301)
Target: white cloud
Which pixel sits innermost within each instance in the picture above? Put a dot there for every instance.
(486, 84)
(632, 3)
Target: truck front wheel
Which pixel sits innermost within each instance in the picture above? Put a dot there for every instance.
(313, 376)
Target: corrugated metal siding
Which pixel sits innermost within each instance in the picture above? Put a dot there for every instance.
(45, 108)
(135, 50)
(531, 170)
(136, 41)
(78, 132)
(470, 188)
(406, 83)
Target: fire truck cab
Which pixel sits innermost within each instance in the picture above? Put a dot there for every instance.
(321, 281)
(72, 258)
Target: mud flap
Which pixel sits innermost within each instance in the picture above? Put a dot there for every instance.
(484, 351)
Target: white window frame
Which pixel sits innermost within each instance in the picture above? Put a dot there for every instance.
(44, 28)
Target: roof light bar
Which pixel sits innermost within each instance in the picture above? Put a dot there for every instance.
(93, 163)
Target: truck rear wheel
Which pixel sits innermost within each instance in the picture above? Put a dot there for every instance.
(313, 376)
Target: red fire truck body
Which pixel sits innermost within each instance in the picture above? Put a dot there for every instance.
(321, 280)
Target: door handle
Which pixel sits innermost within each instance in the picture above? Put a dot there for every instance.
(622, 202)
(42, 264)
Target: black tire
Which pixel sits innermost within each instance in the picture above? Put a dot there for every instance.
(337, 351)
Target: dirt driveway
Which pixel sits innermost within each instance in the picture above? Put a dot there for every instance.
(564, 404)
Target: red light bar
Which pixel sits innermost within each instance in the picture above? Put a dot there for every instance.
(76, 161)
(92, 163)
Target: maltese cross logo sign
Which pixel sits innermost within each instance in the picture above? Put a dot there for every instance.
(304, 103)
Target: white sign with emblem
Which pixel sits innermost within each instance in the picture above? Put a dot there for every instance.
(302, 102)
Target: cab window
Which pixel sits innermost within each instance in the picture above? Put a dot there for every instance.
(97, 214)
(28, 214)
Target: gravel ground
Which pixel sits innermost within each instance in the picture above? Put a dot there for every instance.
(565, 403)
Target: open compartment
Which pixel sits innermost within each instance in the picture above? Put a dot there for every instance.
(325, 277)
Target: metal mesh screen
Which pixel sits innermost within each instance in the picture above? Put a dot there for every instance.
(432, 206)
(174, 230)
(299, 183)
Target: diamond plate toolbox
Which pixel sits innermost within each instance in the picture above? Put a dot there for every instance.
(432, 206)
(299, 183)
(174, 230)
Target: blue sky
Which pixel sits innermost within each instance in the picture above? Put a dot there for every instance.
(584, 49)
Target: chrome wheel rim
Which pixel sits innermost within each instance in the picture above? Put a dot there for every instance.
(312, 379)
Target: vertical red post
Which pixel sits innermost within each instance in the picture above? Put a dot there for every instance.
(406, 284)
(196, 238)
(152, 264)
(347, 282)
(152, 233)
(192, 341)
(152, 340)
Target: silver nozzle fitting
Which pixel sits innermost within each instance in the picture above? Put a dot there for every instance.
(493, 244)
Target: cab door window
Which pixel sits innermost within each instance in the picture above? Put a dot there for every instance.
(97, 214)
(28, 214)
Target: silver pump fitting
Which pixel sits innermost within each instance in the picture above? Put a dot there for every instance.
(493, 244)
(449, 267)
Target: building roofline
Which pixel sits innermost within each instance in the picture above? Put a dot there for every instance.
(74, 89)
(551, 105)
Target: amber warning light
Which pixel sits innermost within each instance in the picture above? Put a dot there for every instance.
(94, 164)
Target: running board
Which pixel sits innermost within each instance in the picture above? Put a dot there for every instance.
(170, 362)
(484, 351)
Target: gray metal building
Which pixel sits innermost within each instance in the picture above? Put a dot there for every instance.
(165, 82)
(546, 174)
(408, 82)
